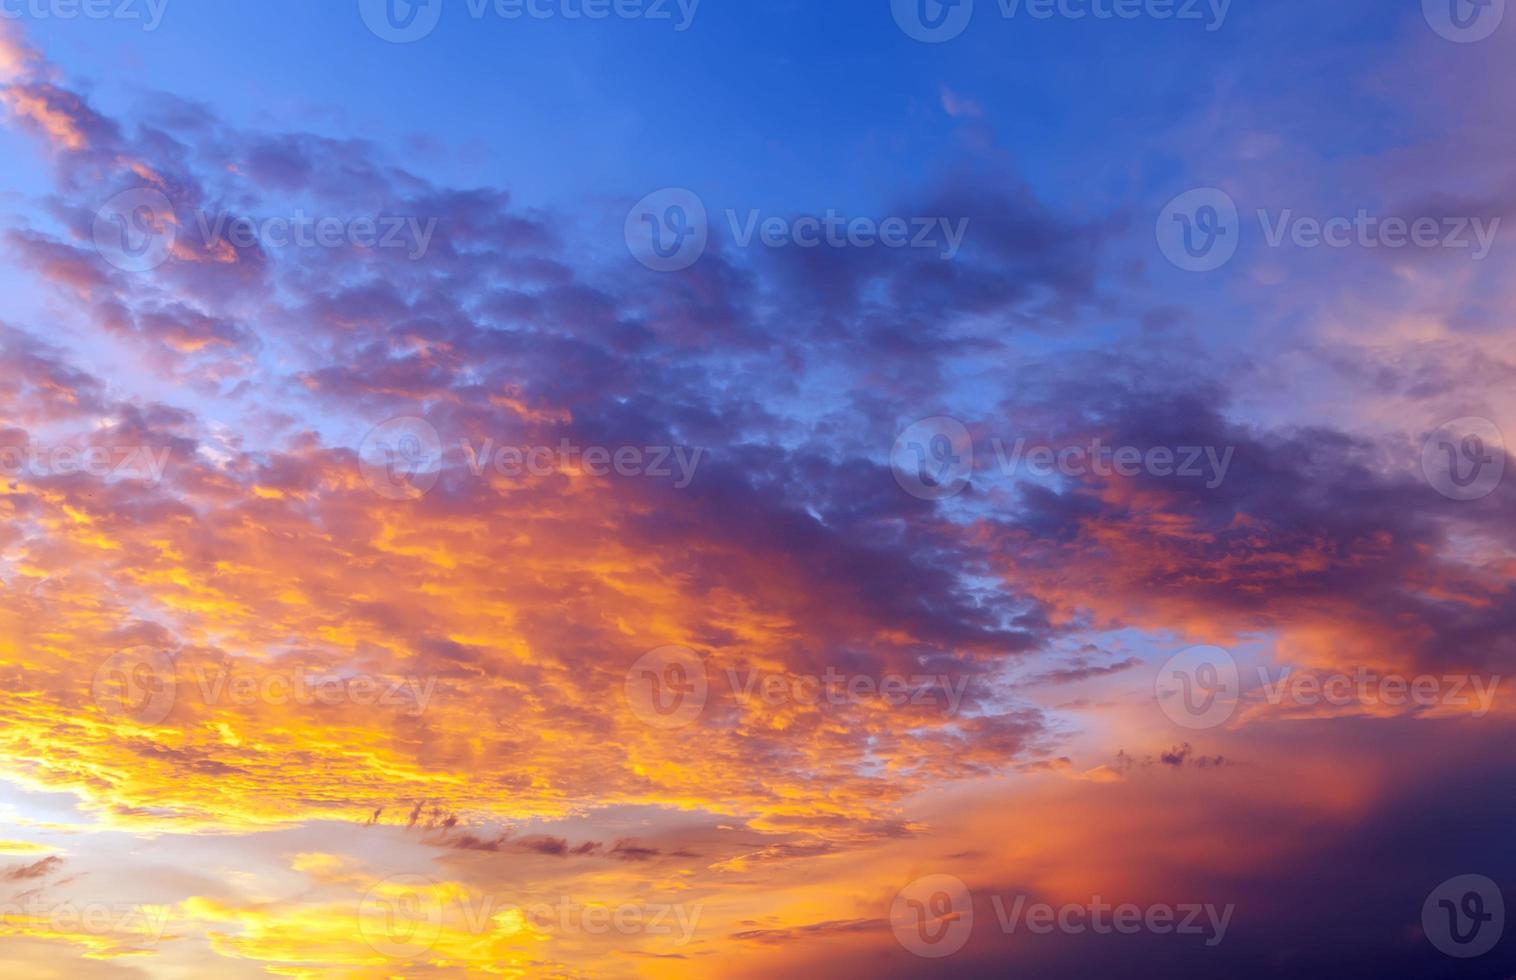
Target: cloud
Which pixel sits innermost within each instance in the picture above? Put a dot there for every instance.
(39, 869)
(958, 106)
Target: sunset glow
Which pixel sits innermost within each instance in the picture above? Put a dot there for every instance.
(737, 489)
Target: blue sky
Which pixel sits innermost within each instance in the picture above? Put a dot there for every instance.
(774, 104)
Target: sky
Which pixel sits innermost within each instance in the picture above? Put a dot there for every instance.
(880, 488)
